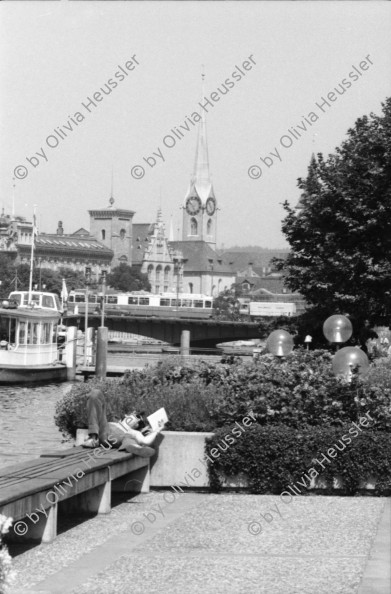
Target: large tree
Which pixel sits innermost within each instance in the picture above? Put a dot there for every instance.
(7, 274)
(340, 232)
(126, 278)
(14, 276)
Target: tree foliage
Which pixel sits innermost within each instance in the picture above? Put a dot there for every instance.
(17, 276)
(126, 278)
(340, 234)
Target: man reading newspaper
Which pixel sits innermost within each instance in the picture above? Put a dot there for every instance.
(132, 434)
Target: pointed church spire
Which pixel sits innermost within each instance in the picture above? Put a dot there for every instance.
(111, 201)
(201, 183)
(201, 173)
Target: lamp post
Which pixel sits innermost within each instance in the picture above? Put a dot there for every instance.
(178, 264)
(40, 272)
(88, 280)
(103, 272)
(211, 265)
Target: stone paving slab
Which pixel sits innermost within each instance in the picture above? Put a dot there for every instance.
(227, 543)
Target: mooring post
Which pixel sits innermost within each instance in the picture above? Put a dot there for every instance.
(89, 341)
(70, 352)
(101, 352)
(185, 343)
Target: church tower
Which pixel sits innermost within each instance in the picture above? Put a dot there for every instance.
(200, 206)
(113, 227)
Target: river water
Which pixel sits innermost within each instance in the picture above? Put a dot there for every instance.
(27, 426)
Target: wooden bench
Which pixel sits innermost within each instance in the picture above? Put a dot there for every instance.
(78, 480)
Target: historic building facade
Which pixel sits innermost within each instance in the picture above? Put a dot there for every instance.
(113, 227)
(53, 250)
(75, 251)
(156, 258)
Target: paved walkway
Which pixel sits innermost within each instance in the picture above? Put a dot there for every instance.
(219, 544)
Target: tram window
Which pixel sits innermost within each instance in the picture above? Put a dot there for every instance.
(80, 298)
(198, 303)
(132, 300)
(174, 303)
(186, 302)
(208, 304)
(144, 300)
(22, 332)
(113, 299)
(71, 299)
(164, 302)
(92, 298)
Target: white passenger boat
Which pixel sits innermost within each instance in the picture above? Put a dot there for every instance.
(29, 338)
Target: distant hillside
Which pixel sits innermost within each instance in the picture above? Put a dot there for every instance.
(252, 248)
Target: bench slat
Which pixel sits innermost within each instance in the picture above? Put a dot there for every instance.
(44, 476)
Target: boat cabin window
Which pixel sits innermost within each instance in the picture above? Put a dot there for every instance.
(32, 332)
(45, 333)
(48, 301)
(22, 332)
(8, 330)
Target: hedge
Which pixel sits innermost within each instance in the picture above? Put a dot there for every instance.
(203, 396)
(277, 456)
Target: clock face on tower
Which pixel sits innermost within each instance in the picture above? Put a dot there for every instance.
(210, 206)
(193, 205)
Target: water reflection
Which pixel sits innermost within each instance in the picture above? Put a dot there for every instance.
(27, 426)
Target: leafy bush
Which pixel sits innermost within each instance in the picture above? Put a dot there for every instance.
(7, 574)
(202, 396)
(277, 456)
(187, 404)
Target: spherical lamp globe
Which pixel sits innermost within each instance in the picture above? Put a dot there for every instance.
(280, 343)
(337, 329)
(349, 359)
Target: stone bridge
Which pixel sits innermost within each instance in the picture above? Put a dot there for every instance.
(203, 333)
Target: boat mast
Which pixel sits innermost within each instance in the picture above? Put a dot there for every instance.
(32, 256)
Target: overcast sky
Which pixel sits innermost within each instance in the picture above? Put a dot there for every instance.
(54, 55)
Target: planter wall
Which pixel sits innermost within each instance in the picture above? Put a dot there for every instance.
(180, 459)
